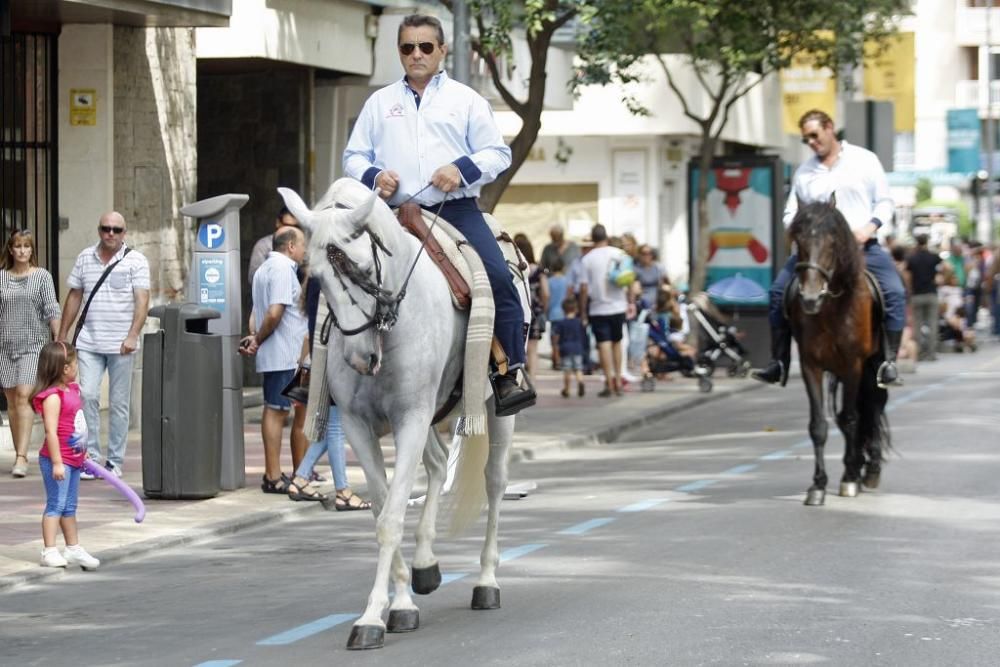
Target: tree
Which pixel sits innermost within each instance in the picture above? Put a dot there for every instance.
(731, 47)
(495, 21)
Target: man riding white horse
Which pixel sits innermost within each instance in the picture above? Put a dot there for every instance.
(855, 178)
(430, 139)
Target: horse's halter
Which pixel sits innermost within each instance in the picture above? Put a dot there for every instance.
(386, 312)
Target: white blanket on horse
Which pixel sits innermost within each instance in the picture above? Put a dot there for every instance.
(479, 335)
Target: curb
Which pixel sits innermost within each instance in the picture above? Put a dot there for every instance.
(192, 536)
(615, 430)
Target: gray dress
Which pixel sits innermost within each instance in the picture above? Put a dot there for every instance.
(27, 304)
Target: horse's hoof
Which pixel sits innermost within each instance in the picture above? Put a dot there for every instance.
(485, 597)
(424, 580)
(848, 489)
(871, 480)
(364, 637)
(815, 497)
(403, 620)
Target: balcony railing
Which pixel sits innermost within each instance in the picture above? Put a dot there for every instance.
(967, 93)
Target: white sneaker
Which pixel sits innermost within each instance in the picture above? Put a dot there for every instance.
(115, 469)
(78, 555)
(52, 558)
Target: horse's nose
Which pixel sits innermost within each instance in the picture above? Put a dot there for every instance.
(373, 364)
(810, 304)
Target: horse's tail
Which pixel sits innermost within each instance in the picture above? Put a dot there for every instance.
(873, 425)
(468, 494)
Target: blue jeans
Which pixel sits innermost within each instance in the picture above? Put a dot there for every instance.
(877, 261)
(333, 445)
(119, 368)
(508, 325)
(60, 495)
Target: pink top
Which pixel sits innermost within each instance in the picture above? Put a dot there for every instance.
(71, 422)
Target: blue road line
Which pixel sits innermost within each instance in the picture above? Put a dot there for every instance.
(449, 577)
(643, 505)
(517, 552)
(739, 470)
(695, 486)
(776, 456)
(581, 528)
(219, 663)
(307, 630)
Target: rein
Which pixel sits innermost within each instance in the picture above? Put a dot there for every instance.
(386, 305)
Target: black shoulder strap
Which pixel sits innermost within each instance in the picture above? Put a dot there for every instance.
(100, 281)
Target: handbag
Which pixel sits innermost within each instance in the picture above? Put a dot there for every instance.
(100, 281)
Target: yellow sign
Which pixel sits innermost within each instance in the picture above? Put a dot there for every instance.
(82, 106)
(803, 88)
(890, 76)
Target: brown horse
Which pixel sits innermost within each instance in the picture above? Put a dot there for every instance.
(836, 322)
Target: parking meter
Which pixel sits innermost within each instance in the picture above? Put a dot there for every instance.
(214, 282)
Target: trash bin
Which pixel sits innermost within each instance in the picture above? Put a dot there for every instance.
(182, 404)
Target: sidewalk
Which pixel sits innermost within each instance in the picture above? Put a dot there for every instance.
(106, 519)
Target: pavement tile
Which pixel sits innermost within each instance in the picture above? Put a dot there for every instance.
(106, 522)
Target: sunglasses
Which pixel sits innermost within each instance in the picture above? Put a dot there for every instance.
(108, 229)
(812, 136)
(426, 48)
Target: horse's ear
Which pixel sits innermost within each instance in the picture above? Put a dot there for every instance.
(358, 217)
(297, 207)
(833, 199)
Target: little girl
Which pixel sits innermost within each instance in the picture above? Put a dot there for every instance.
(57, 399)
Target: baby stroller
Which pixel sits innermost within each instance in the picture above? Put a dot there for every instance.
(723, 338)
(669, 359)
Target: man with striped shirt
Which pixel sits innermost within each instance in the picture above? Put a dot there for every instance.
(110, 333)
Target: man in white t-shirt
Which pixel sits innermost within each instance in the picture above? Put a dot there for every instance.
(604, 305)
(110, 333)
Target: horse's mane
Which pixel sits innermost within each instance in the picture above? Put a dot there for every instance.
(823, 220)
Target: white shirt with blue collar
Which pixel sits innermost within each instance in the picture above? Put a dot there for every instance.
(415, 135)
(857, 179)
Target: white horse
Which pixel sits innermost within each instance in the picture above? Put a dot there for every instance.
(392, 364)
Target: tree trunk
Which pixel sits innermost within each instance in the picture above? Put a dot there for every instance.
(699, 263)
(520, 147)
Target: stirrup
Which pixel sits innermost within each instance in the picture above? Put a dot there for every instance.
(782, 378)
(517, 401)
(898, 382)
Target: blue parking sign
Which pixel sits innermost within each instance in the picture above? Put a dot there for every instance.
(211, 235)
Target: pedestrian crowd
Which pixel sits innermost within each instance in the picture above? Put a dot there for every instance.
(597, 301)
(952, 290)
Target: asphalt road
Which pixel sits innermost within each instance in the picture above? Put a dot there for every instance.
(686, 544)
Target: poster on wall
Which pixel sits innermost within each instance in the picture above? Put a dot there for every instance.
(629, 169)
(745, 197)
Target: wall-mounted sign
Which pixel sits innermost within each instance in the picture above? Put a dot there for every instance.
(82, 106)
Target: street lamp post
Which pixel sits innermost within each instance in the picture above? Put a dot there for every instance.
(461, 55)
(990, 126)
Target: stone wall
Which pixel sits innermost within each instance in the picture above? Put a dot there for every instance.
(155, 148)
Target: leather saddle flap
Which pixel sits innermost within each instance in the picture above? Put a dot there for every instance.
(412, 219)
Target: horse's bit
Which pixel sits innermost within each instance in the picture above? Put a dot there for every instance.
(386, 305)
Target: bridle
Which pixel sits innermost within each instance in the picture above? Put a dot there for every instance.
(827, 279)
(386, 311)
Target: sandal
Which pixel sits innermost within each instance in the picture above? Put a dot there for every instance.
(298, 489)
(350, 503)
(279, 485)
(20, 470)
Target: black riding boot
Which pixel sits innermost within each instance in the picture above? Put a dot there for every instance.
(509, 396)
(887, 373)
(781, 356)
